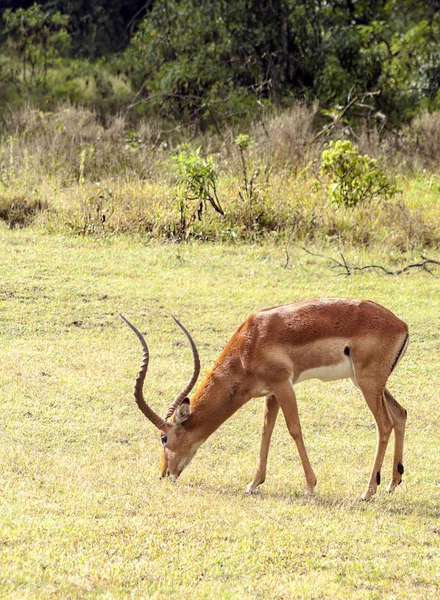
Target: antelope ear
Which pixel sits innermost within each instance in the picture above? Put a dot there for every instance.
(182, 412)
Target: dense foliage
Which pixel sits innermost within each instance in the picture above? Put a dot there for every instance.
(355, 178)
(35, 38)
(204, 61)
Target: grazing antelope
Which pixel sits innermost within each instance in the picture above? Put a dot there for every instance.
(269, 353)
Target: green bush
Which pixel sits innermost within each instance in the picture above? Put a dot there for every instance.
(197, 186)
(355, 177)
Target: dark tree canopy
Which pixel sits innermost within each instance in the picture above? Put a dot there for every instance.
(96, 26)
(196, 58)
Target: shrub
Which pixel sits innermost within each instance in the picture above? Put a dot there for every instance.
(197, 186)
(243, 142)
(355, 178)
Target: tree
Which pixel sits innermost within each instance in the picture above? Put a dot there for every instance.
(100, 27)
(34, 39)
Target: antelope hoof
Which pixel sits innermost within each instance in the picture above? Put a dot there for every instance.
(366, 496)
(252, 488)
(310, 489)
(392, 485)
(309, 493)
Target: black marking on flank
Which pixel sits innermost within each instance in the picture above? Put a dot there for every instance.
(347, 351)
(399, 354)
(400, 468)
(378, 478)
(406, 412)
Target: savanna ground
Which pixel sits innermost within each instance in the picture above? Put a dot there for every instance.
(83, 513)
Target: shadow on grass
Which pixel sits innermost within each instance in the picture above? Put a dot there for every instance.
(382, 503)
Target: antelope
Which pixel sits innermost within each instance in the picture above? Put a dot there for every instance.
(273, 350)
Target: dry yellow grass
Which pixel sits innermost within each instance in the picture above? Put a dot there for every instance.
(96, 179)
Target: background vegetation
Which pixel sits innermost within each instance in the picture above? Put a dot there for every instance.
(211, 60)
(214, 120)
(67, 171)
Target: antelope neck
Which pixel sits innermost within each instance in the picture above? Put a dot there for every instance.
(214, 402)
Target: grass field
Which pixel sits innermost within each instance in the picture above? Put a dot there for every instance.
(83, 513)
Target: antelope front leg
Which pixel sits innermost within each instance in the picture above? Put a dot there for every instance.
(287, 401)
(271, 408)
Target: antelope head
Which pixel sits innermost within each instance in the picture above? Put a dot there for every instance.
(178, 446)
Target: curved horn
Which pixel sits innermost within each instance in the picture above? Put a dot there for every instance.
(189, 386)
(139, 397)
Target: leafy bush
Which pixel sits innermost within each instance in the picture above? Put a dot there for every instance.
(355, 178)
(197, 183)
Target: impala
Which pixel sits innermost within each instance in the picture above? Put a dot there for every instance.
(269, 353)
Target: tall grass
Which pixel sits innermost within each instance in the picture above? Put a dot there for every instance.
(90, 175)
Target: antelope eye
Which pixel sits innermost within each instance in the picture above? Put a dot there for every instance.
(163, 439)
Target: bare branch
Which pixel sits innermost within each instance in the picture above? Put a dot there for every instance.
(425, 264)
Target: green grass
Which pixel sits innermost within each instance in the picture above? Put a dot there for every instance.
(83, 513)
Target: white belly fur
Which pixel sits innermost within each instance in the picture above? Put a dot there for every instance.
(342, 370)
